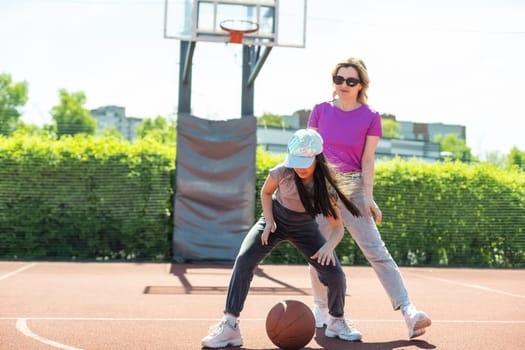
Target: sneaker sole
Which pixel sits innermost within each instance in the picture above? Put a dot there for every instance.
(330, 334)
(417, 333)
(236, 342)
(419, 327)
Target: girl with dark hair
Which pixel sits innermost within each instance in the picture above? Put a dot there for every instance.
(293, 194)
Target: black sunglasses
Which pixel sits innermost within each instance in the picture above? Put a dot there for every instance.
(338, 80)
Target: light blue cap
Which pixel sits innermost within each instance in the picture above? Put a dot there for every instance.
(304, 145)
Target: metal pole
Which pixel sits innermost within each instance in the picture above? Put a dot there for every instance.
(247, 94)
(186, 60)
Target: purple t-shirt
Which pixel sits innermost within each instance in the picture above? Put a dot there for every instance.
(344, 133)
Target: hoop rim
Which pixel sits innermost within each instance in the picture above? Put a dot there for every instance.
(225, 25)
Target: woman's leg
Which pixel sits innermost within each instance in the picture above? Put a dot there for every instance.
(365, 233)
(367, 236)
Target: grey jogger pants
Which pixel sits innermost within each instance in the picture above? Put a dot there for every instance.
(302, 231)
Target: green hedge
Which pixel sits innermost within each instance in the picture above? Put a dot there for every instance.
(100, 198)
(84, 198)
(452, 213)
(443, 214)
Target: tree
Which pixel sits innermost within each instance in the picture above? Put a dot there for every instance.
(159, 129)
(496, 158)
(32, 129)
(268, 119)
(12, 97)
(457, 147)
(516, 158)
(390, 128)
(71, 117)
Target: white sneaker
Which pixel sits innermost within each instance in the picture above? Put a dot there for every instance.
(342, 329)
(321, 316)
(223, 334)
(416, 321)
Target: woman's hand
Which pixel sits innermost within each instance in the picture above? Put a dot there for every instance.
(270, 227)
(373, 210)
(367, 171)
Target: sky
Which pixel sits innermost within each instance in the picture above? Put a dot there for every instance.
(450, 61)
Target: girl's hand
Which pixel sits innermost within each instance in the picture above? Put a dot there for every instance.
(324, 256)
(270, 227)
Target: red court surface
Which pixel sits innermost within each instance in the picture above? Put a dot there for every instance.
(53, 305)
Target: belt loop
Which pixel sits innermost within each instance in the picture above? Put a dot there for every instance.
(351, 175)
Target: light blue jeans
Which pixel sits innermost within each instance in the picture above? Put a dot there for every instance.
(365, 233)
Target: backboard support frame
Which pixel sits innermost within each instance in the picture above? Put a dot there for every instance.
(200, 21)
(256, 47)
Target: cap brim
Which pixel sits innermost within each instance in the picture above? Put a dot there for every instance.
(298, 162)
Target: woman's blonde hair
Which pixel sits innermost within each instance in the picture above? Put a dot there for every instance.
(360, 66)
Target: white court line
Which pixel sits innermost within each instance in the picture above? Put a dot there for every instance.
(470, 285)
(21, 325)
(7, 275)
(185, 319)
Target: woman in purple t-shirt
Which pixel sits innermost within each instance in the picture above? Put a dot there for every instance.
(351, 132)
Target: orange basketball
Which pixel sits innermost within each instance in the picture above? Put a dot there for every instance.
(290, 324)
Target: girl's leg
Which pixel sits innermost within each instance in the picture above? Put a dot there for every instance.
(303, 232)
(306, 237)
(308, 241)
(227, 332)
(250, 255)
(318, 289)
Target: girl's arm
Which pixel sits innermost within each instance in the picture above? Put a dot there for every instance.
(267, 191)
(325, 255)
(367, 171)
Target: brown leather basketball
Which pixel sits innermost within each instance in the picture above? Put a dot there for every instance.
(290, 324)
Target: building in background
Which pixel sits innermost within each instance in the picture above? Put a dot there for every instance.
(428, 132)
(415, 142)
(275, 140)
(109, 117)
(416, 138)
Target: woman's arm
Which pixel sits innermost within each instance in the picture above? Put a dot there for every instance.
(368, 171)
(267, 191)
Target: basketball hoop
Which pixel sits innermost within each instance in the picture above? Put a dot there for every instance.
(237, 28)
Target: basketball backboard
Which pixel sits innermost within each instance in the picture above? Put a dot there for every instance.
(280, 22)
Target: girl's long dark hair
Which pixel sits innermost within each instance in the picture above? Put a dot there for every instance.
(320, 203)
